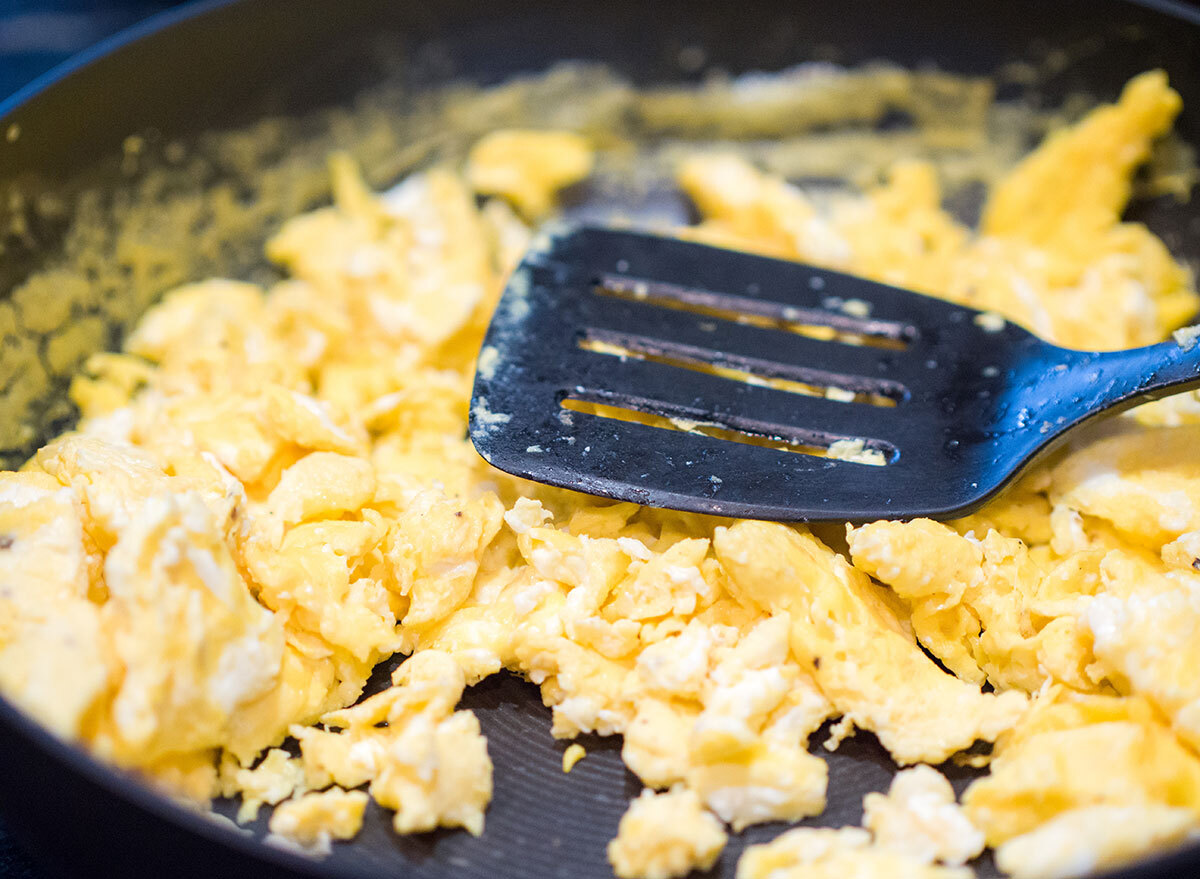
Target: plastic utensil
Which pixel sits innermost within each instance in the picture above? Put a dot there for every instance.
(680, 375)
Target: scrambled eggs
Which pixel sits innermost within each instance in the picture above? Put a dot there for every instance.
(271, 491)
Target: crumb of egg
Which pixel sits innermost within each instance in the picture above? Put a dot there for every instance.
(990, 321)
(856, 450)
(489, 357)
(572, 755)
(1186, 337)
(838, 733)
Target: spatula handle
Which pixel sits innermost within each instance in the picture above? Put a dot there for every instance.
(1122, 379)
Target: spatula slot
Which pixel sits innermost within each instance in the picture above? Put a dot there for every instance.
(858, 450)
(780, 376)
(847, 322)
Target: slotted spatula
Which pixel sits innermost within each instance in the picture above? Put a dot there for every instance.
(679, 375)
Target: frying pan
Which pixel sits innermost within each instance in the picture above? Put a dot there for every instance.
(225, 66)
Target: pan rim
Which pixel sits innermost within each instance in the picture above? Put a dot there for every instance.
(156, 804)
(148, 799)
(133, 33)
(159, 21)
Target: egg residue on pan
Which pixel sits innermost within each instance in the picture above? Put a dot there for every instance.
(270, 492)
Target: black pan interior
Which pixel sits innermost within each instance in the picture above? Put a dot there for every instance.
(226, 64)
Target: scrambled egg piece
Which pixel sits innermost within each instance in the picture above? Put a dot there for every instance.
(276, 777)
(193, 653)
(1100, 155)
(271, 491)
(920, 818)
(1145, 638)
(827, 853)
(664, 835)
(1077, 751)
(52, 643)
(528, 167)
(984, 607)
(311, 821)
(1142, 482)
(429, 763)
(1082, 841)
(863, 658)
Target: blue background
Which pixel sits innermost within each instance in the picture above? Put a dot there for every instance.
(37, 34)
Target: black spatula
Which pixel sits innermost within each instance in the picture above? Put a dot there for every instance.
(773, 389)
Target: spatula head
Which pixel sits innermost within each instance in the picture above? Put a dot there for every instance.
(674, 374)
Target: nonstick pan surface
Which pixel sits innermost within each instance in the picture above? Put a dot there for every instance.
(227, 64)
